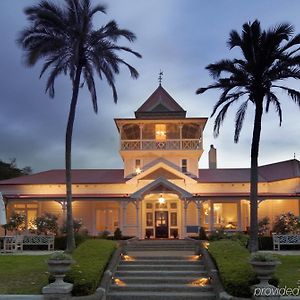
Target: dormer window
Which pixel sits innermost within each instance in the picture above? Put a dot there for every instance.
(160, 132)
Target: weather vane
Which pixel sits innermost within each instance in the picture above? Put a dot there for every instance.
(160, 75)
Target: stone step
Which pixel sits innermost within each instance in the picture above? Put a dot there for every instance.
(160, 288)
(158, 249)
(161, 262)
(188, 279)
(159, 273)
(166, 258)
(118, 295)
(161, 267)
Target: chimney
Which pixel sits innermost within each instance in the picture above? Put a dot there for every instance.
(212, 157)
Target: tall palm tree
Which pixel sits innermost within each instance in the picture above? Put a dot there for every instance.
(269, 57)
(64, 37)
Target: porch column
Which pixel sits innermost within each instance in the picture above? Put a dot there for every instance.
(299, 207)
(198, 204)
(180, 135)
(239, 216)
(123, 207)
(137, 206)
(211, 216)
(141, 136)
(185, 206)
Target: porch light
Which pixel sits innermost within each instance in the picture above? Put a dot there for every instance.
(161, 199)
(138, 171)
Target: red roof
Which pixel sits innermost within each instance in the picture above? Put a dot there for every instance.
(160, 103)
(277, 171)
(83, 176)
(272, 172)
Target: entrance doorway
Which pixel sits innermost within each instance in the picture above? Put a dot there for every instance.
(161, 224)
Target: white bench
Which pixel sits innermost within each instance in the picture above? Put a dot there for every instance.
(47, 240)
(13, 243)
(285, 239)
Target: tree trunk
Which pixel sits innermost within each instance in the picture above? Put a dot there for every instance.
(253, 243)
(68, 156)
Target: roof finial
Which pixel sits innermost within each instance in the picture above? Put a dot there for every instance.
(294, 155)
(160, 75)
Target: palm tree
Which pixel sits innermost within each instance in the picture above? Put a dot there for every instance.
(63, 36)
(269, 57)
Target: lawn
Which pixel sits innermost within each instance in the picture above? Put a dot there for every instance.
(289, 271)
(23, 274)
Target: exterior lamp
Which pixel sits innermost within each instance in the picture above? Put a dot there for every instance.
(138, 170)
(161, 199)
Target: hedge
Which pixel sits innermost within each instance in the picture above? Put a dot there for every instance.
(91, 258)
(236, 273)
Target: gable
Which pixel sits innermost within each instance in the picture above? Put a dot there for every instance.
(161, 172)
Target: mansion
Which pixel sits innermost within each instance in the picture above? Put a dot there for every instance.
(160, 191)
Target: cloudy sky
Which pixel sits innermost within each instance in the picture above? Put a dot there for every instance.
(181, 38)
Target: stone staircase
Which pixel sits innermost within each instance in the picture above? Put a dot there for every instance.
(161, 270)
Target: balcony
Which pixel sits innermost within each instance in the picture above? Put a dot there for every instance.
(168, 144)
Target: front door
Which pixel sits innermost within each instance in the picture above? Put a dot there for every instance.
(161, 224)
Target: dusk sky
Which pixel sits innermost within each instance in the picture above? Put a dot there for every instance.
(181, 38)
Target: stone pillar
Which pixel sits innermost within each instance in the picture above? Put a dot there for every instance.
(239, 216)
(211, 216)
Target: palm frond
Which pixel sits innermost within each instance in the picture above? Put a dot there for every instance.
(239, 120)
(220, 118)
(272, 99)
(293, 94)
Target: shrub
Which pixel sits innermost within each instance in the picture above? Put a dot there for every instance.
(16, 222)
(77, 225)
(242, 238)
(60, 242)
(104, 234)
(262, 257)
(90, 260)
(118, 234)
(263, 226)
(217, 235)
(236, 273)
(202, 234)
(265, 243)
(46, 224)
(287, 223)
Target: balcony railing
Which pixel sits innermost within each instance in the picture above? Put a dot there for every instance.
(183, 144)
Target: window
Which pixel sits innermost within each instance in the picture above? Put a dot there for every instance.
(30, 211)
(149, 205)
(173, 205)
(149, 219)
(173, 218)
(160, 132)
(107, 219)
(184, 165)
(138, 167)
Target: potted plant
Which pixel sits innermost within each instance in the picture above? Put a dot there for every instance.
(148, 233)
(59, 264)
(264, 266)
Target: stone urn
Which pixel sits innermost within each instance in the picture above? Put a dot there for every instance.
(264, 266)
(58, 265)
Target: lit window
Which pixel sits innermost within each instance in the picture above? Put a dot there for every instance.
(160, 132)
(173, 219)
(30, 211)
(138, 168)
(149, 219)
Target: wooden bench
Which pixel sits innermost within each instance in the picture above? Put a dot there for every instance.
(285, 239)
(47, 240)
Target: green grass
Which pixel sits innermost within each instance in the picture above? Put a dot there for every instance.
(23, 274)
(289, 271)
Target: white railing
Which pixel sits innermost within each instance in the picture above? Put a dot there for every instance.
(183, 144)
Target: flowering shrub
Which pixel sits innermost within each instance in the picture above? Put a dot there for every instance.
(287, 223)
(77, 224)
(263, 226)
(46, 224)
(16, 222)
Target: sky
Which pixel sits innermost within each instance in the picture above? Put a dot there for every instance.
(177, 36)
